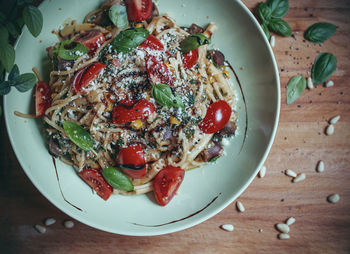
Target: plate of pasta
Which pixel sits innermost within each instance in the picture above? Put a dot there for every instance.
(145, 119)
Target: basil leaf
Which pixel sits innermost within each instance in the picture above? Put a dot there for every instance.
(129, 39)
(33, 18)
(266, 31)
(319, 32)
(117, 14)
(264, 13)
(7, 56)
(14, 73)
(4, 35)
(71, 50)
(323, 67)
(280, 27)
(5, 87)
(13, 29)
(193, 41)
(25, 82)
(165, 97)
(117, 179)
(279, 8)
(295, 88)
(78, 135)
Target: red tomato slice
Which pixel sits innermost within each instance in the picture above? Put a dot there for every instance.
(96, 181)
(158, 72)
(138, 10)
(190, 58)
(42, 98)
(83, 77)
(152, 43)
(132, 161)
(125, 114)
(92, 39)
(166, 183)
(217, 116)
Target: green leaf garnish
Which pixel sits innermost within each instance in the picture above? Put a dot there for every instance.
(280, 27)
(165, 97)
(266, 31)
(323, 67)
(129, 39)
(71, 50)
(214, 159)
(264, 13)
(193, 41)
(117, 14)
(295, 88)
(117, 179)
(320, 32)
(5, 87)
(4, 35)
(33, 18)
(279, 8)
(7, 56)
(14, 73)
(25, 82)
(78, 135)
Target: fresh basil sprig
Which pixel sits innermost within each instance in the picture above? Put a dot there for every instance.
(33, 18)
(117, 179)
(323, 67)
(164, 96)
(279, 26)
(279, 8)
(117, 14)
(264, 13)
(78, 135)
(129, 39)
(23, 82)
(193, 41)
(7, 55)
(320, 32)
(71, 50)
(295, 88)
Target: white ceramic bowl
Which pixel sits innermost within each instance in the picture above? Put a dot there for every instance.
(206, 190)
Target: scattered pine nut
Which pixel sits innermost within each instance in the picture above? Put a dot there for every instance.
(68, 224)
(262, 172)
(330, 83)
(260, 230)
(290, 221)
(334, 198)
(290, 172)
(283, 228)
(334, 119)
(40, 229)
(320, 167)
(227, 227)
(240, 206)
(49, 221)
(272, 41)
(299, 178)
(283, 236)
(330, 129)
(310, 84)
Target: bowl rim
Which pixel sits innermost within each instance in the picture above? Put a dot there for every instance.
(179, 227)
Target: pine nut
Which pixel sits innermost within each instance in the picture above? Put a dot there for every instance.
(272, 41)
(290, 172)
(262, 172)
(290, 221)
(227, 227)
(283, 228)
(40, 229)
(310, 84)
(240, 206)
(49, 221)
(330, 83)
(334, 198)
(283, 236)
(320, 167)
(68, 224)
(334, 119)
(330, 129)
(299, 178)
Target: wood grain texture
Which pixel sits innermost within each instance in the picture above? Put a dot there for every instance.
(300, 143)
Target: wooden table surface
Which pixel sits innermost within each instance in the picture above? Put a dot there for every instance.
(300, 143)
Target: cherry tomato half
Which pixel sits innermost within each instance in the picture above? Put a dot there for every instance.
(166, 183)
(217, 116)
(92, 39)
(152, 43)
(42, 98)
(190, 58)
(96, 181)
(139, 10)
(132, 161)
(158, 72)
(83, 77)
(125, 114)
